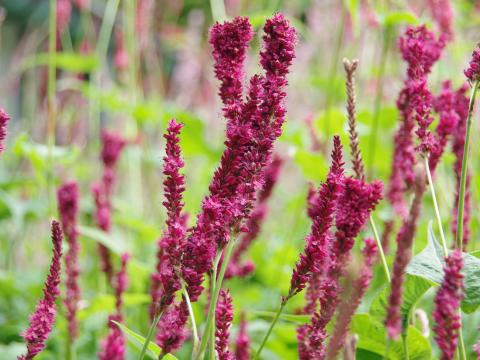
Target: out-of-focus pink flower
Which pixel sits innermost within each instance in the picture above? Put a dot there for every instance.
(251, 132)
(120, 57)
(143, 20)
(4, 118)
(402, 257)
(442, 13)
(461, 108)
(82, 4)
(165, 281)
(254, 222)
(473, 71)
(242, 348)
(64, 12)
(42, 320)
(317, 248)
(171, 332)
(447, 303)
(113, 347)
(223, 322)
(67, 197)
(348, 307)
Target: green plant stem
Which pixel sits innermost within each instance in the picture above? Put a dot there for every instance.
(272, 325)
(380, 248)
(51, 90)
(463, 178)
(405, 346)
(218, 10)
(435, 205)
(192, 316)
(213, 301)
(150, 333)
(212, 328)
(461, 344)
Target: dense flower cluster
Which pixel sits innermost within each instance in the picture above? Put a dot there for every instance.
(113, 347)
(447, 303)
(473, 71)
(4, 118)
(252, 128)
(112, 145)
(442, 13)
(242, 348)
(254, 222)
(165, 281)
(223, 319)
(347, 308)
(420, 50)
(67, 197)
(171, 332)
(42, 320)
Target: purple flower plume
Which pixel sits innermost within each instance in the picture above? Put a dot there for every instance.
(165, 280)
(67, 197)
(317, 247)
(242, 344)
(223, 322)
(348, 307)
(447, 303)
(4, 118)
(442, 13)
(113, 347)
(171, 332)
(112, 146)
(42, 320)
(254, 222)
(252, 129)
(420, 50)
(473, 71)
(405, 238)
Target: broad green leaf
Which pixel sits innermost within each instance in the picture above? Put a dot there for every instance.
(372, 337)
(301, 319)
(398, 18)
(312, 165)
(138, 340)
(106, 303)
(79, 63)
(112, 242)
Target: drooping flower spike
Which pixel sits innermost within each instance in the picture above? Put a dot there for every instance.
(42, 320)
(67, 197)
(171, 331)
(473, 71)
(223, 319)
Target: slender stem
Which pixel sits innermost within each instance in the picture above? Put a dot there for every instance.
(463, 178)
(192, 316)
(272, 325)
(212, 328)
(213, 300)
(405, 346)
(461, 344)
(218, 10)
(51, 89)
(150, 333)
(435, 205)
(380, 248)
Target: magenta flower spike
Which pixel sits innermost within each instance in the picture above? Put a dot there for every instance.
(223, 319)
(242, 344)
(165, 281)
(447, 303)
(442, 13)
(171, 332)
(473, 71)
(4, 119)
(67, 197)
(42, 320)
(113, 347)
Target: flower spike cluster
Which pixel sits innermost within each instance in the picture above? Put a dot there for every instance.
(223, 319)
(473, 71)
(113, 347)
(171, 332)
(253, 125)
(447, 303)
(67, 197)
(112, 146)
(4, 118)
(42, 320)
(242, 348)
(165, 280)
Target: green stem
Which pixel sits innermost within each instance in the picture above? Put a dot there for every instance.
(461, 344)
(212, 328)
(272, 325)
(463, 178)
(218, 10)
(52, 68)
(380, 248)
(435, 205)
(213, 300)
(150, 333)
(192, 317)
(405, 346)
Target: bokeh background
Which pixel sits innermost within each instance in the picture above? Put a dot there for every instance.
(157, 65)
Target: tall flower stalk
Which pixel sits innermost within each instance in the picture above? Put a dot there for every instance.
(42, 320)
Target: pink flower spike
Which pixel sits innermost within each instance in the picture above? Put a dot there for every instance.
(447, 303)
(473, 71)
(242, 348)
(4, 118)
(223, 321)
(171, 332)
(42, 320)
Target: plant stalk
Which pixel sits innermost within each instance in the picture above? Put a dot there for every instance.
(150, 333)
(218, 10)
(192, 317)
(213, 301)
(380, 248)
(463, 178)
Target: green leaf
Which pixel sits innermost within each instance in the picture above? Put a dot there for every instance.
(113, 243)
(312, 165)
(78, 63)
(106, 303)
(372, 337)
(398, 18)
(300, 319)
